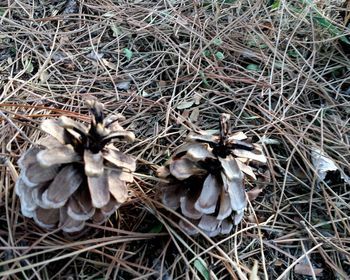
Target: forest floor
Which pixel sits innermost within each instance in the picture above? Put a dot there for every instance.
(279, 68)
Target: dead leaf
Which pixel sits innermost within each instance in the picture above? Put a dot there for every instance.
(194, 115)
(324, 164)
(254, 193)
(254, 273)
(185, 105)
(94, 55)
(109, 64)
(305, 269)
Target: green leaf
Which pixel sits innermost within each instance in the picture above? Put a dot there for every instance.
(128, 53)
(204, 78)
(157, 228)
(28, 66)
(292, 53)
(252, 67)
(275, 5)
(219, 55)
(116, 30)
(2, 11)
(217, 42)
(228, 1)
(331, 28)
(201, 267)
(206, 53)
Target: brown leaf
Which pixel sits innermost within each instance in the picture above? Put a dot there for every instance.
(305, 269)
(208, 198)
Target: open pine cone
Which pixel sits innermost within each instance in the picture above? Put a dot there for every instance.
(75, 174)
(206, 179)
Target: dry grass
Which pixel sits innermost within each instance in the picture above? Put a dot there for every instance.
(283, 75)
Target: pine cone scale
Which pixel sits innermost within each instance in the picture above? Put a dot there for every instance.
(184, 168)
(120, 160)
(46, 218)
(62, 187)
(225, 206)
(188, 209)
(99, 190)
(93, 163)
(117, 187)
(79, 208)
(56, 131)
(208, 198)
(235, 190)
(58, 155)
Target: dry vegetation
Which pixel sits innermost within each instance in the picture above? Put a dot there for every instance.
(280, 68)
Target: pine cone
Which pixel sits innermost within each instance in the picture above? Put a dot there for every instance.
(206, 179)
(75, 174)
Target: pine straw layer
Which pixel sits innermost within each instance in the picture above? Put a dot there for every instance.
(281, 72)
